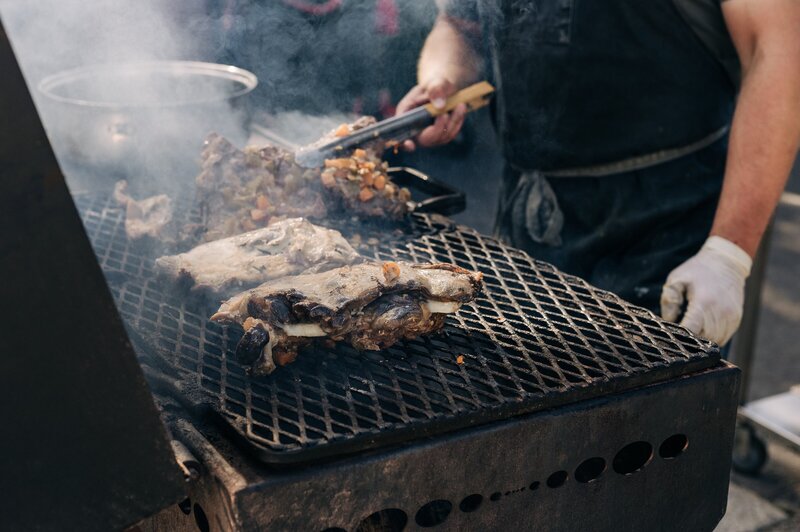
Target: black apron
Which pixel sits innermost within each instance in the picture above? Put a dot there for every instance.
(612, 116)
(589, 82)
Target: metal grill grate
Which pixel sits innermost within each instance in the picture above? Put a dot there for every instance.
(535, 339)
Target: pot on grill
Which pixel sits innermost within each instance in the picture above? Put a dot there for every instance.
(144, 118)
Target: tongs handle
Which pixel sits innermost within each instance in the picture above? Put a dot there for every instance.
(475, 96)
(396, 129)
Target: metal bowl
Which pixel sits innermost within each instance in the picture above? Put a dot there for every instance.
(143, 119)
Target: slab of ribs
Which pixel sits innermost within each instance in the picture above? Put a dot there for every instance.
(371, 306)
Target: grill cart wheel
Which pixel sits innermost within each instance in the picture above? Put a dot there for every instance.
(749, 451)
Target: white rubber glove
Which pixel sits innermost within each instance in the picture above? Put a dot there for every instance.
(713, 283)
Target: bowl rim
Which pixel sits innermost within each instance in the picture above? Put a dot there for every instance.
(247, 79)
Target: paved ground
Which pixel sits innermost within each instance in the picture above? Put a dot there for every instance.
(770, 502)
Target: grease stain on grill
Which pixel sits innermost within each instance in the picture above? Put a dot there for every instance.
(535, 339)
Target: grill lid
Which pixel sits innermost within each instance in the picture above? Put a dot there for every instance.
(535, 339)
(83, 445)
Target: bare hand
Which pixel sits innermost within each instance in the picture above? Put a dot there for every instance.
(446, 126)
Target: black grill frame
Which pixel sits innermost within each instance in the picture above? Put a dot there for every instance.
(534, 340)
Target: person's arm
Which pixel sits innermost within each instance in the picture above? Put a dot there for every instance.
(766, 125)
(763, 145)
(448, 62)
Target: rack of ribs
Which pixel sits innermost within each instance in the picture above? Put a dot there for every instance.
(370, 305)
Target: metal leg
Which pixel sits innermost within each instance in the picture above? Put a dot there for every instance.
(744, 342)
(749, 450)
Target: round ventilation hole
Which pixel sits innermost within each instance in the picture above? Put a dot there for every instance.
(673, 446)
(386, 520)
(632, 458)
(590, 469)
(494, 497)
(470, 503)
(534, 485)
(186, 506)
(434, 513)
(557, 479)
(200, 518)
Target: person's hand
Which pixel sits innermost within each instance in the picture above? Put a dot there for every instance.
(712, 282)
(446, 126)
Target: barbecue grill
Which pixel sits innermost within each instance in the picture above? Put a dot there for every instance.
(545, 404)
(576, 362)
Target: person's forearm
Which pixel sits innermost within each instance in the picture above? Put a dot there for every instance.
(763, 145)
(448, 53)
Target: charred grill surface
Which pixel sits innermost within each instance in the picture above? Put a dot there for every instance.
(370, 306)
(532, 340)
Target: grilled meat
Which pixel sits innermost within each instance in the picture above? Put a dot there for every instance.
(371, 306)
(149, 217)
(358, 183)
(241, 190)
(230, 265)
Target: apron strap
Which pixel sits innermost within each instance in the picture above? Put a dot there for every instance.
(641, 162)
(533, 204)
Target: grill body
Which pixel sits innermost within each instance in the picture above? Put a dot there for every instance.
(571, 409)
(535, 339)
(627, 466)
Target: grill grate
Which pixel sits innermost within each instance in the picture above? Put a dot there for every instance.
(535, 339)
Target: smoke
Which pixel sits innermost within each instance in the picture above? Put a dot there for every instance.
(315, 71)
(54, 35)
(357, 59)
(119, 115)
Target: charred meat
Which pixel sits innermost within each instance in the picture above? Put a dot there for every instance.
(359, 184)
(224, 267)
(371, 306)
(242, 190)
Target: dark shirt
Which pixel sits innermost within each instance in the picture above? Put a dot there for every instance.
(587, 83)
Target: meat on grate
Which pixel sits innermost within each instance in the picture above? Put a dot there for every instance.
(224, 267)
(241, 190)
(370, 305)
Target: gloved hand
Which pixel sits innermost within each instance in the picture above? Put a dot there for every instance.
(713, 284)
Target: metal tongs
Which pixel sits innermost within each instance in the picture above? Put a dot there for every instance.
(396, 129)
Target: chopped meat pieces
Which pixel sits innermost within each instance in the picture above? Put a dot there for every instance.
(144, 218)
(241, 190)
(289, 247)
(360, 185)
(353, 304)
(391, 271)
